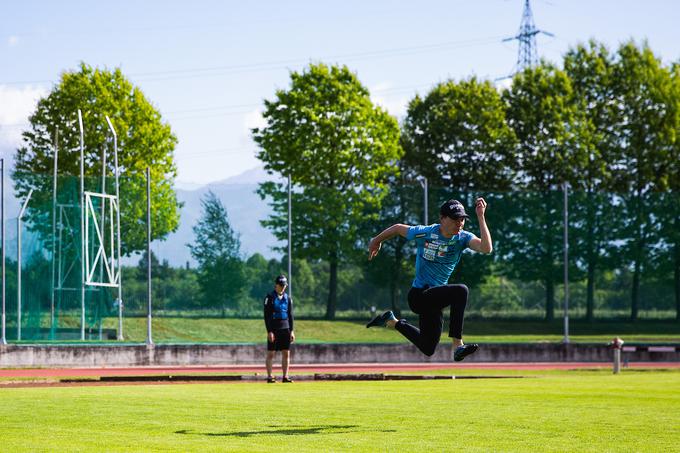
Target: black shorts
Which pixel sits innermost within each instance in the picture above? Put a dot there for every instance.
(281, 340)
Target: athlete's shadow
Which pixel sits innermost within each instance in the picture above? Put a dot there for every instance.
(287, 431)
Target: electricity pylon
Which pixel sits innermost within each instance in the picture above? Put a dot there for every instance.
(527, 55)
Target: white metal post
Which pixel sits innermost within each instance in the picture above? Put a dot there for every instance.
(120, 274)
(290, 235)
(82, 226)
(21, 214)
(103, 214)
(54, 227)
(427, 213)
(565, 188)
(3, 337)
(423, 183)
(149, 338)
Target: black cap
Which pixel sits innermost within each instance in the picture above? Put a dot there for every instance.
(281, 280)
(453, 209)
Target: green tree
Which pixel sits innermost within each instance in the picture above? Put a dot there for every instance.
(217, 250)
(457, 136)
(157, 269)
(645, 128)
(393, 267)
(667, 263)
(544, 116)
(172, 288)
(590, 69)
(143, 141)
(338, 148)
(308, 287)
(260, 278)
(672, 230)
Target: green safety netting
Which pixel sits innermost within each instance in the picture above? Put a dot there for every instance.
(46, 293)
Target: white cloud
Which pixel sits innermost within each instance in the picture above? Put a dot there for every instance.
(392, 99)
(396, 105)
(252, 120)
(503, 84)
(12, 41)
(16, 105)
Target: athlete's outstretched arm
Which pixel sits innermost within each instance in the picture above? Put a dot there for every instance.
(483, 244)
(396, 229)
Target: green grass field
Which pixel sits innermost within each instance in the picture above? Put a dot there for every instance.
(317, 331)
(567, 411)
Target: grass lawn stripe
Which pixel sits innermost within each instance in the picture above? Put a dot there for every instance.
(557, 412)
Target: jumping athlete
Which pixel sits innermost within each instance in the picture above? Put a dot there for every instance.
(278, 318)
(439, 247)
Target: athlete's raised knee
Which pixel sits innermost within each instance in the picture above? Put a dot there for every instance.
(429, 350)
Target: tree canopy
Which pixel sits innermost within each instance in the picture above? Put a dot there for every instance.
(458, 135)
(338, 149)
(144, 140)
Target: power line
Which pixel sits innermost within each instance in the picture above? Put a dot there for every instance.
(117, 30)
(216, 115)
(285, 64)
(205, 109)
(211, 152)
(169, 115)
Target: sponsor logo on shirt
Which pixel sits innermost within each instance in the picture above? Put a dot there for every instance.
(432, 249)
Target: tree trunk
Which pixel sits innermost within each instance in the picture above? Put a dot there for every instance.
(395, 294)
(635, 293)
(549, 299)
(332, 286)
(548, 260)
(637, 256)
(677, 281)
(590, 296)
(592, 260)
(395, 281)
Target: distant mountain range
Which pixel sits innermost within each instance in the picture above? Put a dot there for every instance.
(244, 207)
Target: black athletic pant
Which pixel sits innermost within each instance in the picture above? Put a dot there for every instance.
(428, 303)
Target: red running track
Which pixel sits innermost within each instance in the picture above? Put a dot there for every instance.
(316, 368)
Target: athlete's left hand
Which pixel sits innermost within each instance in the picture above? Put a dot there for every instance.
(480, 207)
(292, 336)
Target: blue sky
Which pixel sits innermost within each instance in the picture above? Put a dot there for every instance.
(208, 65)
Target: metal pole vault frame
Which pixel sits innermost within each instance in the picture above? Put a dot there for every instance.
(83, 233)
(21, 214)
(82, 226)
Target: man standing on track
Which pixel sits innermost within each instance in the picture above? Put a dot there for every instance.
(278, 318)
(439, 249)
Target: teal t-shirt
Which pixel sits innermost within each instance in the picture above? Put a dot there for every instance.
(436, 256)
